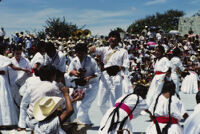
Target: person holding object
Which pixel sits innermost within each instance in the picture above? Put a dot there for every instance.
(115, 66)
(84, 73)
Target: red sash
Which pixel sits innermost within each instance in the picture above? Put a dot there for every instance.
(126, 109)
(158, 72)
(163, 119)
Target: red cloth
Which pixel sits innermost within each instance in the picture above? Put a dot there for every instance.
(163, 119)
(33, 70)
(157, 73)
(126, 109)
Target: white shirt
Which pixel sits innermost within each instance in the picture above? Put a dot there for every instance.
(177, 108)
(52, 126)
(31, 82)
(192, 124)
(44, 88)
(23, 63)
(120, 57)
(162, 65)
(58, 61)
(176, 64)
(88, 63)
(38, 58)
(28, 44)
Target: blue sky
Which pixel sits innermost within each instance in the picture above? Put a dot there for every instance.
(98, 15)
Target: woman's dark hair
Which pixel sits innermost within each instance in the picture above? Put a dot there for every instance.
(47, 72)
(141, 91)
(176, 52)
(41, 45)
(115, 122)
(49, 47)
(81, 47)
(161, 49)
(2, 49)
(198, 97)
(168, 87)
(17, 48)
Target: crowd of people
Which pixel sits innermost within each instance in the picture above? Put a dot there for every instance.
(46, 82)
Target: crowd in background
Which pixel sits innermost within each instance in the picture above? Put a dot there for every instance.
(141, 50)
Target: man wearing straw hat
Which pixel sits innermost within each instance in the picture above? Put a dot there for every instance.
(45, 111)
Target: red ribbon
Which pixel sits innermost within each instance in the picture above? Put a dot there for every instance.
(126, 109)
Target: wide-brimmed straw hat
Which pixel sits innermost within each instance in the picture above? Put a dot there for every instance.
(45, 107)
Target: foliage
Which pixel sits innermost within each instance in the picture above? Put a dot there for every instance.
(167, 21)
(57, 27)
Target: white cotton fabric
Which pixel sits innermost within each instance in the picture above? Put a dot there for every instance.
(176, 64)
(190, 83)
(177, 111)
(8, 111)
(155, 88)
(110, 88)
(131, 102)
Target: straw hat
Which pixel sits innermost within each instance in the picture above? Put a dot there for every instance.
(45, 107)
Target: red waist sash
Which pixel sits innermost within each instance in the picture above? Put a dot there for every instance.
(126, 109)
(158, 72)
(162, 119)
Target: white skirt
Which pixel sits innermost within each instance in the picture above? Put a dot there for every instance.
(190, 84)
(8, 113)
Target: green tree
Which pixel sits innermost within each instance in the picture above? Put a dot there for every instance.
(167, 21)
(57, 27)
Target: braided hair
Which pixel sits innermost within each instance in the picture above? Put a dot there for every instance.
(139, 91)
(168, 87)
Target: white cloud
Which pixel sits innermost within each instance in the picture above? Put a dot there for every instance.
(153, 2)
(195, 1)
(98, 20)
(105, 29)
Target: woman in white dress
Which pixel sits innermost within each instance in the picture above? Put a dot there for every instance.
(126, 108)
(177, 68)
(161, 68)
(190, 83)
(8, 113)
(167, 112)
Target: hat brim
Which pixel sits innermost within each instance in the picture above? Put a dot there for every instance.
(37, 113)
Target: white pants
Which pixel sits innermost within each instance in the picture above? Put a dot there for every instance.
(84, 105)
(110, 89)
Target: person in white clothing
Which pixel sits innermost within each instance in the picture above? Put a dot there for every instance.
(38, 59)
(161, 68)
(45, 111)
(30, 83)
(54, 57)
(115, 65)
(176, 68)
(44, 88)
(19, 61)
(191, 125)
(84, 71)
(126, 108)
(167, 111)
(8, 110)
